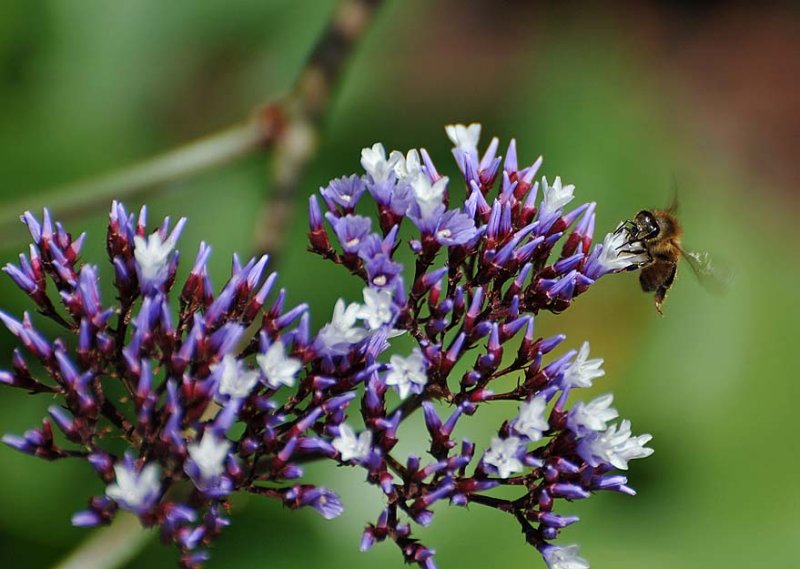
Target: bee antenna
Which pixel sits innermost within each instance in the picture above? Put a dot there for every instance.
(673, 206)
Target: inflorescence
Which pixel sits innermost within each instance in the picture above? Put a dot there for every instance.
(178, 396)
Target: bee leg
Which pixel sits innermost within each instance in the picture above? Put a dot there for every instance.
(626, 225)
(661, 292)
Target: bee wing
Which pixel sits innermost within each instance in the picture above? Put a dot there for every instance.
(712, 277)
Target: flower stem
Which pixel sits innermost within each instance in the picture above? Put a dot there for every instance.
(109, 547)
(202, 154)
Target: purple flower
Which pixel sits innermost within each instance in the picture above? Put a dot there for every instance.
(231, 391)
(455, 228)
(351, 230)
(344, 191)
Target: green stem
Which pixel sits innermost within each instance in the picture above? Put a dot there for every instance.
(196, 156)
(109, 547)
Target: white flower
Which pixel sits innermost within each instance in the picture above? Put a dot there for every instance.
(429, 195)
(593, 416)
(375, 163)
(503, 455)
(233, 380)
(613, 256)
(209, 455)
(614, 446)
(377, 307)
(135, 491)
(582, 371)
(342, 332)
(464, 137)
(277, 367)
(350, 446)
(555, 196)
(152, 255)
(567, 557)
(406, 167)
(531, 421)
(407, 374)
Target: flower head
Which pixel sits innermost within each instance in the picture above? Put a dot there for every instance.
(464, 137)
(567, 557)
(344, 191)
(615, 253)
(455, 228)
(350, 446)
(208, 455)
(556, 196)
(504, 456)
(234, 381)
(375, 163)
(582, 371)
(378, 308)
(614, 446)
(337, 337)
(153, 255)
(593, 416)
(278, 368)
(531, 422)
(407, 374)
(135, 490)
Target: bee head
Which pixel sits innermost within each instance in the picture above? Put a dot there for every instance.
(646, 225)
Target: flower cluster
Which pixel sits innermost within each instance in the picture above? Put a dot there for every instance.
(216, 393)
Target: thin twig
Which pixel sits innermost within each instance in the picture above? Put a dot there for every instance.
(110, 547)
(96, 194)
(305, 114)
(289, 125)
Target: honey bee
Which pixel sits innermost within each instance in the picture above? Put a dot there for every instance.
(656, 234)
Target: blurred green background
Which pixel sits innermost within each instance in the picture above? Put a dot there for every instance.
(619, 98)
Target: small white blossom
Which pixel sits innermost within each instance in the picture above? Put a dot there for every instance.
(135, 491)
(350, 446)
(375, 163)
(377, 309)
(464, 137)
(503, 455)
(209, 455)
(614, 446)
(152, 255)
(593, 416)
(342, 332)
(531, 421)
(613, 255)
(567, 557)
(233, 379)
(277, 367)
(429, 195)
(406, 167)
(582, 370)
(555, 196)
(407, 374)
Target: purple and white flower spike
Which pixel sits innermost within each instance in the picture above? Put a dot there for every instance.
(221, 391)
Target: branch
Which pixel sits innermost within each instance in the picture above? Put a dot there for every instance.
(288, 125)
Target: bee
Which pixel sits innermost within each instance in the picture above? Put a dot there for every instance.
(656, 234)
